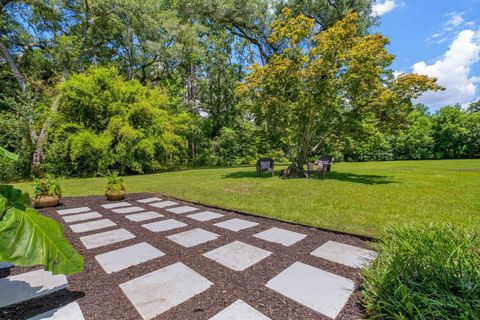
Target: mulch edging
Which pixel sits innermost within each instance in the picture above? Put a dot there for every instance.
(100, 297)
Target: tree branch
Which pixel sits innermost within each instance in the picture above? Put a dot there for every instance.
(13, 66)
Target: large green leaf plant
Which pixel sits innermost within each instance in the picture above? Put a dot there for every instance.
(28, 238)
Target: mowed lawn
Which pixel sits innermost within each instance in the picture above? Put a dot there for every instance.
(359, 198)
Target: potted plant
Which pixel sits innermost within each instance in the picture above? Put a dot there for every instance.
(47, 192)
(115, 187)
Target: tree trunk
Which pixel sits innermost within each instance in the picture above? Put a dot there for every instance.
(190, 97)
(13, 66)
(39, 140)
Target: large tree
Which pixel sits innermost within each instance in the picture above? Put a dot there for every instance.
(326, 85)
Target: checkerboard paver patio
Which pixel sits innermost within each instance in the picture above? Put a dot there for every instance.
(169, 259)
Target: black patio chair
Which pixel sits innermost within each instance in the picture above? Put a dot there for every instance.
(265, 165)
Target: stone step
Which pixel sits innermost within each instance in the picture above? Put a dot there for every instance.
(29, 285)
(70, 311)
(5, 265)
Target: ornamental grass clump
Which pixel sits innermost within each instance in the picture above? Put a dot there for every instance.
(425, 272)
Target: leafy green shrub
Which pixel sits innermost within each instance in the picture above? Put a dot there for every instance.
(115, 183)
(104, 123)
(425, 272)
(47, 186)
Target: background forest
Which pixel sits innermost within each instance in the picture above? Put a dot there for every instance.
(141, 86)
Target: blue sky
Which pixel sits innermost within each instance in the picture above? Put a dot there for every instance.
(439, 38)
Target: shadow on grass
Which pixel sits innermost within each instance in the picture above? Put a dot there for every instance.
(368, 179)
(248, 174)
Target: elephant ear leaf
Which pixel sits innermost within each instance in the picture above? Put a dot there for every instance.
(28, 238)
(14, 197)
(8, 154)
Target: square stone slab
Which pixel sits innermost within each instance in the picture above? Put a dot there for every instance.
(123, 258)
(148, 200)
(193, 237)
(163, 204)
(239, 310)
(106, 238)
(314, 288)
(143, 216)
(348, 255)
(116, 205)
(281, 236)
(5, 265)
(236, 224)
(128, 210)
(183, 209)
(164, 225)
(237, 255)
(70, 311)
(92, 225)
(82, 217)
(73, 210)
(205, 216)
(29, 285)
(158, 291)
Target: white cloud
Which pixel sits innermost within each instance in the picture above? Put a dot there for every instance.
(453, 71)
(385, 6)
(456, 19)
(451, 27)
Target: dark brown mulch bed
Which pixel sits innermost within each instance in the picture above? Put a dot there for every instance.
(100, 297)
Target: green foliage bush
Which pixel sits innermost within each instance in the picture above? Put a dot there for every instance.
(105, 123)
(15, 135)
(425, 272)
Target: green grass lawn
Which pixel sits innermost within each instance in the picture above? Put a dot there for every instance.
(360, 198)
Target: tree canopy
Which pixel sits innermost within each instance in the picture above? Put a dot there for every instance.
(327, 85)
(140, 86)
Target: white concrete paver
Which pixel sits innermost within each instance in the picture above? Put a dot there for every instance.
(193, 237)
(239, 310)
(236, 224)
(149, 200)
(5, 265)
(92, 225)
(143, 216)
(319, 290)
(164, 225)
(29, 285)
(348, 255)
(205, 216)
(70, 311)
(182, 209)
(158, 291)
(123, 258)
(281, 236)
(106, 238)
(114, 205)
(237, 255)
(128, 210)
(81, 217)
(73, 210)
(163, 204)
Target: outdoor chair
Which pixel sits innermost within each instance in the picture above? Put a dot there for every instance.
(320, 166)
(265, 165)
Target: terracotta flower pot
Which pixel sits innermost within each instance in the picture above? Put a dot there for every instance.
(115, 195)
(46, 201)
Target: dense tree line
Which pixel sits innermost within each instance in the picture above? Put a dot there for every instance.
(139, 86)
